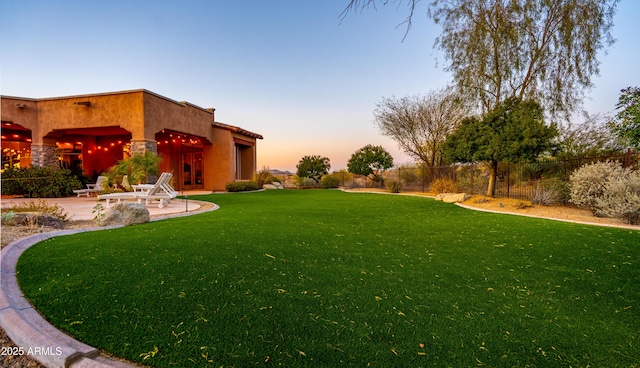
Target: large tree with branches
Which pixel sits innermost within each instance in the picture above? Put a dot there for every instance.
(420, 124)
(515, 131)
(526, 49)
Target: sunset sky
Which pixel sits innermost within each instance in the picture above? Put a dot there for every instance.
(289, 70)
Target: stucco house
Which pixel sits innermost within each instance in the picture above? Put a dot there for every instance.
(95, 131)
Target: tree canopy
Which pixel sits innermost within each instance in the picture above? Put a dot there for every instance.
(420, 124)
(313, 167)
(627, 122)
(369, 161)
(514, 131)
(528, 49)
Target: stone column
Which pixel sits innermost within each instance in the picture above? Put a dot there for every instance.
(140, 147)
(44, 155)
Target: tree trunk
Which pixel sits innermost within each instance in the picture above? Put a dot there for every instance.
(492, 179)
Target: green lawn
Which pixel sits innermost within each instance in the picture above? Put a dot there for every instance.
(326, 278)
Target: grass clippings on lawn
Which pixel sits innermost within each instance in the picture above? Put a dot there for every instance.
(325, 278)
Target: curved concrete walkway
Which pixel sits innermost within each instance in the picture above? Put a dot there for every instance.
(28, 329)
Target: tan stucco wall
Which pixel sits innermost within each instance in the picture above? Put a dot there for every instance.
(143, 114)
(161, 113)
(26, 117)
(122, 109)
(222, 151)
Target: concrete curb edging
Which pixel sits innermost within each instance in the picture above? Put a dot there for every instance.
(618, 226)
(29, 330)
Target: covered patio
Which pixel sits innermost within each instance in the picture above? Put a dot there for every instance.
(81, 209)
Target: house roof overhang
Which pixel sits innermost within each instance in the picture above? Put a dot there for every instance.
(237, 130)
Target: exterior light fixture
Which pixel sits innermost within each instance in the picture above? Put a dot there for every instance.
(82, 103)
(20, 105)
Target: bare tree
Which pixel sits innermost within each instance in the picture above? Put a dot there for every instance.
(355, 5)
(589, 138)
(421, 124)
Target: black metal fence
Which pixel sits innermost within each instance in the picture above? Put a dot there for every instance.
(514, 180)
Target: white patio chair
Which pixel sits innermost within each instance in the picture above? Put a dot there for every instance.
(97, 188)
(156, 192)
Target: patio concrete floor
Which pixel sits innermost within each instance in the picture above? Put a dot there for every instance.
(81, 208)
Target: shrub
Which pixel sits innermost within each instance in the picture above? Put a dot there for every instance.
(543, 196)
(241, 186)
(394, 186)
(330, 181)
(621, 199)
(38, 182)
(302, 181)
(589, 183)
(608, 190)
(263, 177)
(7, 218)
(138, 168)
(40, 206)
(550, 191)
(444, 185)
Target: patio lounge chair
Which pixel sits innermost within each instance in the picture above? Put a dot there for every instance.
(96, 188)
(160, 191)
(165, 185)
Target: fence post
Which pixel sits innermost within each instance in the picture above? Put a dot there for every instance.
(628, 158)
(508, 181)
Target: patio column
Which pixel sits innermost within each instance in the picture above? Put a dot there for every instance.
(45, 155)
(142, 146)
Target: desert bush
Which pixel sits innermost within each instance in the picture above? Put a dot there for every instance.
(263, 177)
(241, 186)
(330, 181)
(543, 196)
(6, 218)
(550, 191)
(608, 190)
(589, 182)
(40, 206)
(444, 185)
(621, 199)
(394, 186)
(302, 181)
(39, 182)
